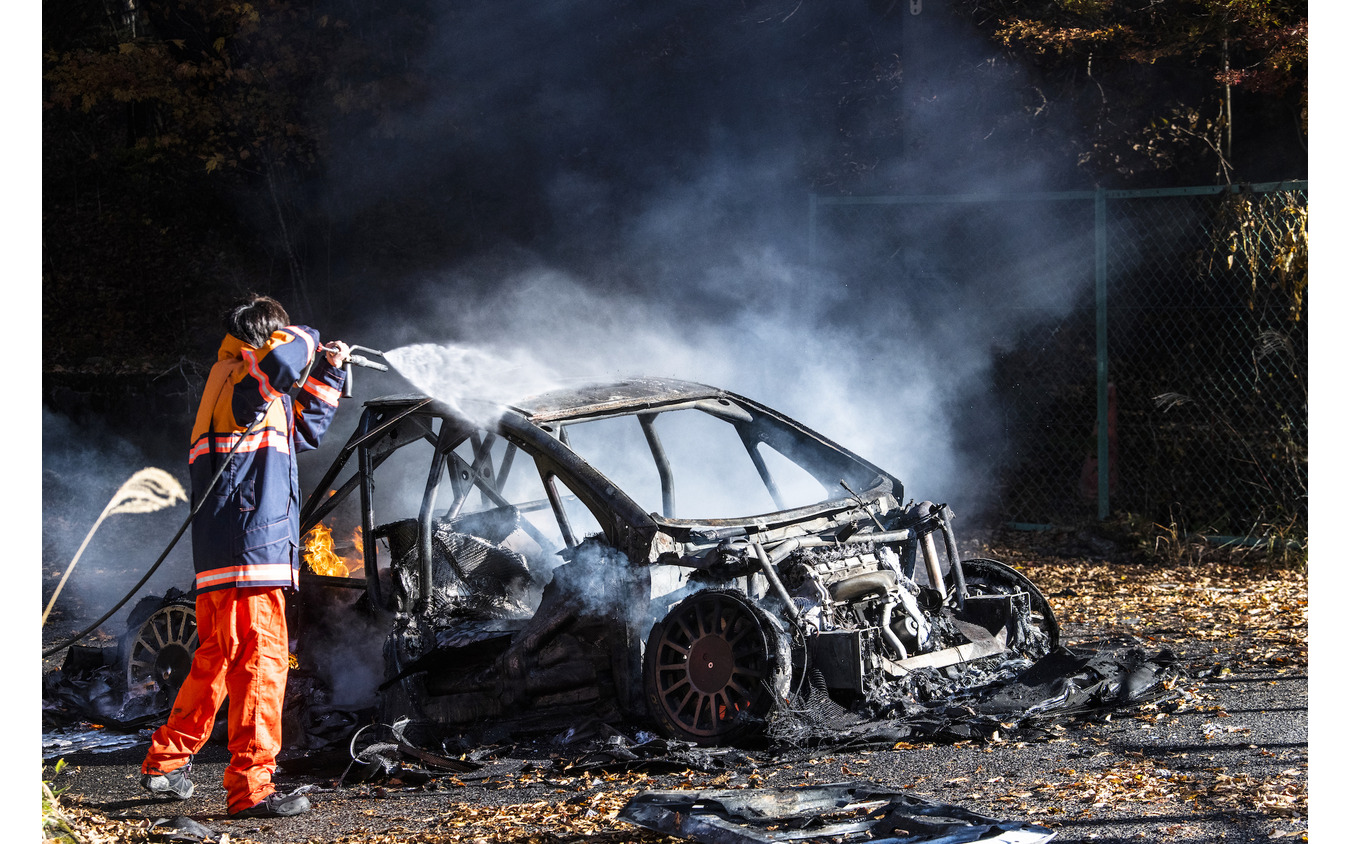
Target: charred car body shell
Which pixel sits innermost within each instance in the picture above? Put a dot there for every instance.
(518, 592)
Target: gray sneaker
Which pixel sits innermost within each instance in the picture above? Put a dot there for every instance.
(174, 784)
(276, 805)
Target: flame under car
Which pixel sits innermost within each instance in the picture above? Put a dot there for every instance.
(653, 551)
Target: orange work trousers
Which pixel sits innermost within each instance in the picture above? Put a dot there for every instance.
(243, 654)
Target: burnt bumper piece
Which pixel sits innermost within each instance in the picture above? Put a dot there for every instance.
(853, 811)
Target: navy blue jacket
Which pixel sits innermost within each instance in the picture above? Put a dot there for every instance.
(247, 532)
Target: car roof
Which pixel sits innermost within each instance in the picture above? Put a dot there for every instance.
(581, 397)
(586, 398)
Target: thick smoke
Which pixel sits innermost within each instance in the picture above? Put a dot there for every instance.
(636, 186)
(863, 382)
(610, 189)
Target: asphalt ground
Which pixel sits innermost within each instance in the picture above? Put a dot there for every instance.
(1224, 757)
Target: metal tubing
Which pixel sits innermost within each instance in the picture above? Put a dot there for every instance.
(781, 551)
(949, 539)
(564, 525)
(903, 535)
(648, 423)
(424, 521)
(934, 568)
(368, 526)
(504, 471)
(479, 477)
(889, 635)
(752, 448)
(771, 574)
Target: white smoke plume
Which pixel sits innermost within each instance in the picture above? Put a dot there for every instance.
(770, 340)
(673, 242)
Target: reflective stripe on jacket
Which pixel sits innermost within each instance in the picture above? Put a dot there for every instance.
(247, 531)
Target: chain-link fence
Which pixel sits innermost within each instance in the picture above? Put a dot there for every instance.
(1161, 334)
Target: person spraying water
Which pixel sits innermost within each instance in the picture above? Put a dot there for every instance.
(245, 538)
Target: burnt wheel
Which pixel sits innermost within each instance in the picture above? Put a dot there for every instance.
(160, 649)
(1040, 633)
(715, 667)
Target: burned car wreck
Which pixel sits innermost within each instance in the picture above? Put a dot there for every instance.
(653, 551)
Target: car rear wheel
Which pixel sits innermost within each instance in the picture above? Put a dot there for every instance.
(158, 651)
(716, 666)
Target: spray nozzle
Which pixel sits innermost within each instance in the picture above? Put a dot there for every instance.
(360, 360)
(367, 363)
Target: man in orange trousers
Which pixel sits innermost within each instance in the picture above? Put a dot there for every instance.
(245, 539)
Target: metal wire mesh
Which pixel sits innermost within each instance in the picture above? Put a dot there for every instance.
(1210, 359)
(1183, 309)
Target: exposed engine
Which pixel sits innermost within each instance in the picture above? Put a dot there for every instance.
(865, 589)
(854, 606)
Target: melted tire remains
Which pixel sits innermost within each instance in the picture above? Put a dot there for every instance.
(715, 668)
(1040, 633)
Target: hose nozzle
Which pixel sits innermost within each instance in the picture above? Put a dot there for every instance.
(354, 359)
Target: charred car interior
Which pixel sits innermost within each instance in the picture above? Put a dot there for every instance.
(650, 550)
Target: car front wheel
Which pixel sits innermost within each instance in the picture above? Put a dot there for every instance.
(716, 666)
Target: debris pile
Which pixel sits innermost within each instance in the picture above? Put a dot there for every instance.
(995, 697)
(387, 753)
(854, 811)
(89, 687)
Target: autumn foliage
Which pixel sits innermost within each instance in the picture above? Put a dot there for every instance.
(1166, 86)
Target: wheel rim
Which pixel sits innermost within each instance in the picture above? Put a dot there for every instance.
(712, 661)
(161, 651)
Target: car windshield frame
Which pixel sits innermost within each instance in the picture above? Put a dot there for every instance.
(824, 460)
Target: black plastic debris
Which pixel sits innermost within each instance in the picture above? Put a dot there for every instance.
(655, 755)
(841, 812)
(182, 828)
(89, 687)
(386, 752)
(1067, 682)
(1004, 696)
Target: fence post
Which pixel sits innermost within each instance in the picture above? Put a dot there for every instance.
(1103, 432)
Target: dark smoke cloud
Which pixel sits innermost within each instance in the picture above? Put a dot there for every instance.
(564, 121)
(623, 188)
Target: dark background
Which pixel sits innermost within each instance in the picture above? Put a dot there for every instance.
(588, 188)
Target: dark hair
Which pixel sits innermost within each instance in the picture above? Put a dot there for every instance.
(254, 318)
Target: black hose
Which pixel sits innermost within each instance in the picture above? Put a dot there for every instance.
(224, 464)
(109, 614)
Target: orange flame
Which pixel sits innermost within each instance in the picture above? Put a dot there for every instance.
(319, 554)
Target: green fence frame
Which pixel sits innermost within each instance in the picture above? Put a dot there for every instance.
(1102, 202)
